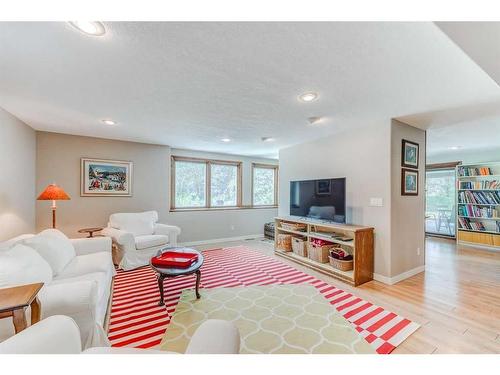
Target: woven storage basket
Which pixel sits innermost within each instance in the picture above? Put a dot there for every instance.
(284, 242)
(294, 226)
(342, 265)
(299, 246)
(319, 253)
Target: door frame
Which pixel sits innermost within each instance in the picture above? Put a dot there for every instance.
(436, 167)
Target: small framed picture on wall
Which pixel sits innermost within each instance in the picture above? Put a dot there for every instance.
(409, 181)
(409, 154)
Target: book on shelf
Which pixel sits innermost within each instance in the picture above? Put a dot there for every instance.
(479, 197)
(474, 171)
(480, 185)
(475, 211)
(465, 223)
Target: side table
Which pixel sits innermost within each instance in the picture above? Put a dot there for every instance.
(15, 300)
(90, 231)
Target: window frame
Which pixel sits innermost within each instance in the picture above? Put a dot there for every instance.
(208, 182)
(276, 188)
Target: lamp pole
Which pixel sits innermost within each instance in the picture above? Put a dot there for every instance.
(53, 213)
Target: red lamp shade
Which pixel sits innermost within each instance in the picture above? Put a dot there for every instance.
(53, 193)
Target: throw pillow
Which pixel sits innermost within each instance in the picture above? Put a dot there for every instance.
(54, 247)
(21, 265)
(139, 224)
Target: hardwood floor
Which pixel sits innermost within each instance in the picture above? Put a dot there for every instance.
(456, 300)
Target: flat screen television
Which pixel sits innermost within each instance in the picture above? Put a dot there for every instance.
(318, 199)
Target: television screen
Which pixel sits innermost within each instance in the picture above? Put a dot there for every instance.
(318, 199)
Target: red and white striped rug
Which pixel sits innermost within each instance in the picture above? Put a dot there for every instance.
(137, 321)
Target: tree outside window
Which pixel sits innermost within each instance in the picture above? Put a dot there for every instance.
(264, 191)
(200, 183)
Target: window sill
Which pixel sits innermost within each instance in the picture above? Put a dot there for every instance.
(222, 208)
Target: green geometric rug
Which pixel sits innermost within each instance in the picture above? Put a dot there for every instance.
(271, 319)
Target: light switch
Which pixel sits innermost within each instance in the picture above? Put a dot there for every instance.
(376, 202)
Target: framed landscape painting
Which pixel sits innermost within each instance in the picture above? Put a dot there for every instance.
(106, 178)
(409, 154)
(409, 182)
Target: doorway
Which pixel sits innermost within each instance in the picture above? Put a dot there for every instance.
(440, 205)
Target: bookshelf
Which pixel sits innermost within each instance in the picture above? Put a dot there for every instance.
(478, 205)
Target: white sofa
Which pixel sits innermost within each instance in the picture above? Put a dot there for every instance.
(138, 237)
(60, 335)
(77, 276)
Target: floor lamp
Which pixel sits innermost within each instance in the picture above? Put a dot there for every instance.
(53, 193)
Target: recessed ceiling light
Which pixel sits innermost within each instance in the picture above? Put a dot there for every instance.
(267, 139)
(225, 140)
(109, 122)
(308, 96)
(454, 147)
(314, 120)
(94, 28)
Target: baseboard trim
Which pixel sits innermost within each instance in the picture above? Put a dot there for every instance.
(396, 279)
(226, 239)
(382, 279)
(478, 246)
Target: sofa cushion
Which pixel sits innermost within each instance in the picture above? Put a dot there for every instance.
(138, 224)
(6, 245)
(54, 247)
(145, 242)
(54, 233)
(83, 264)
(23, 265)
(100, 278)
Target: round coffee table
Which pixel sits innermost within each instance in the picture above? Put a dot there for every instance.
(163, 273)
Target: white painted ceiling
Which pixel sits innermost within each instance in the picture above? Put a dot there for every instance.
(189, 84)
(473, 128)
(480, 40)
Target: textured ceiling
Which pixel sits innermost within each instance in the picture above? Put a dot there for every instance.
(189, 84)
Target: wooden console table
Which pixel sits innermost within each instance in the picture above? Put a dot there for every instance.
(15, 300)
(360, 246)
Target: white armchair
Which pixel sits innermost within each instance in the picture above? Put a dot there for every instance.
(60, 335)
(138, 237)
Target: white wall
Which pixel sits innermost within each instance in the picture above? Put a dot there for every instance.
(363, 157)
(17, 177)
(370, 159)
(59, 161)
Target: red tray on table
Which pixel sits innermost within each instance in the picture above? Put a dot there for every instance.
(173, 259)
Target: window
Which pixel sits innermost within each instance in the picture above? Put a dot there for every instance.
(264, 185)
(200, 183)
(190, 184)
(224, 185)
